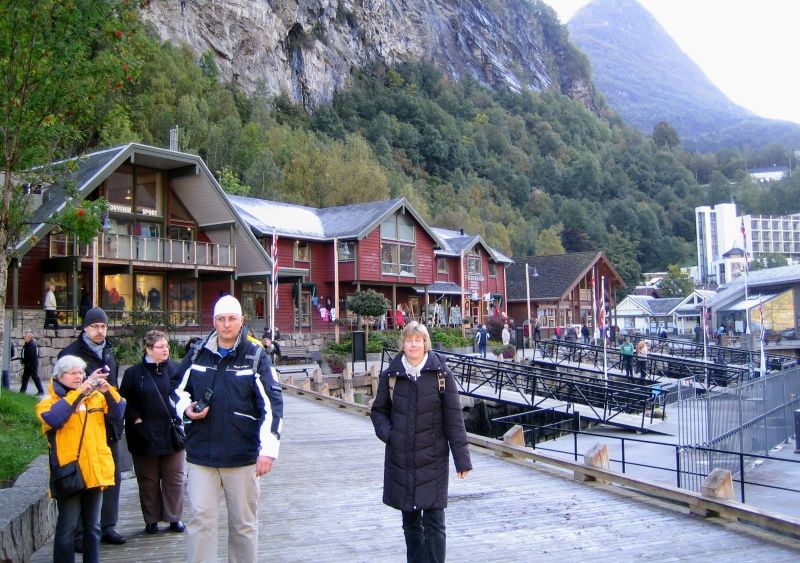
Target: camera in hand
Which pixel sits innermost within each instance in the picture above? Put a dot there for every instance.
(205, 401)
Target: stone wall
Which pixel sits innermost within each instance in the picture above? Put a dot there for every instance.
(50, 343)
(28, 516)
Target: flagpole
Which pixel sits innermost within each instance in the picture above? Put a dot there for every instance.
(746, 268)
(594, 306)
(273, 289)
(605, 340)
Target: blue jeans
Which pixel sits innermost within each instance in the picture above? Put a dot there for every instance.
(425, 536)
(86, 504)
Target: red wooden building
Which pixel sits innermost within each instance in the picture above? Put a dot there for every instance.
(171, 243)
(326, 255)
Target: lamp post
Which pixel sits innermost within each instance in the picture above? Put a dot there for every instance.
(95, 267)
(528, 291)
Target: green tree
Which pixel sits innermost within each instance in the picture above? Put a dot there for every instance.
(368, 303)
(665, 136)
(677, 283)
(58, 60)
(621, 251)
(548, 241)
(231, 183)
(771, 260)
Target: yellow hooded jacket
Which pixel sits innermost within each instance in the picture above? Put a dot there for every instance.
(63, 414)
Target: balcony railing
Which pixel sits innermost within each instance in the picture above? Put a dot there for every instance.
(127, 247)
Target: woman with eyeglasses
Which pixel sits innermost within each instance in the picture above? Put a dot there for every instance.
(149, 420)
(74, 418)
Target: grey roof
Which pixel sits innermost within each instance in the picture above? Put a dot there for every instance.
(455, 242)
(353, 221)
(557, 274)
(769, 279)
(663, 306)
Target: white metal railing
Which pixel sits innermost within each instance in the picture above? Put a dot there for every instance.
(128, 247)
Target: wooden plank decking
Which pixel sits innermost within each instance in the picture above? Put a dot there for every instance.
(322, 503)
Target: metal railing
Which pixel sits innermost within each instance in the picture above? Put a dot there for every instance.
(744, 467)
(659, 363)
(128, 247)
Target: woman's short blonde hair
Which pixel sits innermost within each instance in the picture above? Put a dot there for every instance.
(415, 328)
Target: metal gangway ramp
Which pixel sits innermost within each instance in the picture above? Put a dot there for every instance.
(322, 504)
(618, 403)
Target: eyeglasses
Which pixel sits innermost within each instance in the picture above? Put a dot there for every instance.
(98, 326)
(161, 347)
(75, 372)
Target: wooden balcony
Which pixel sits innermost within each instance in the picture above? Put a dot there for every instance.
(158, 251)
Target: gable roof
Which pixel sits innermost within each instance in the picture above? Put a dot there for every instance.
(354, 221)
(558, 274)
(92, 169)
(771, 278)
(650, 306)
(456, 242)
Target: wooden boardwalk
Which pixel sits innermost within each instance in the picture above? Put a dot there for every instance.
(322, 503)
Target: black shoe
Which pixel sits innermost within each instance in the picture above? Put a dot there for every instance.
(151, 528)
(78, 545)
(177, 526)
(113, 537)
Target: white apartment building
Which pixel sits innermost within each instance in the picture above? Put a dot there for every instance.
(721, 246)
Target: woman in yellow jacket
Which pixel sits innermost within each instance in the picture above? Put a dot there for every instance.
(79, 405)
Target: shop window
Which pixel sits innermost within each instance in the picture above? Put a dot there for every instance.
(183, 302)
(302, 310)
(119, 190)
(116, 297)
(474, 264)
(398, 259)
(493, 269)
(147, 193)
(441, 265)
(149, 291)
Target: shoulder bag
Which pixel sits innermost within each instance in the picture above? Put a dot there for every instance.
(66, 480)
(177, 433)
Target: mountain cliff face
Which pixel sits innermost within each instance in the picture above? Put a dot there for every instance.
(646, 78)
(309, 48)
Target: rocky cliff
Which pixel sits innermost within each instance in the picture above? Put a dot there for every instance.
(309, 48)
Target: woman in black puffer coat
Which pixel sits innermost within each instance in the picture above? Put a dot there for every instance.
(148, 425)
(420, 424)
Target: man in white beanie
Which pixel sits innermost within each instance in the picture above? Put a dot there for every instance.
(234, 408)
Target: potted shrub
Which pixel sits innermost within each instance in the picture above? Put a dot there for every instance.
(332, 363)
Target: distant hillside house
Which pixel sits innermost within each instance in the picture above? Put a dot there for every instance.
(560, 288)
(768, 173)
(326, 255)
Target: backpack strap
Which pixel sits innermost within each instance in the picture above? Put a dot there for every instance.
(392, 382)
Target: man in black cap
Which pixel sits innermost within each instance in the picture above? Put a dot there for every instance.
(93, 348)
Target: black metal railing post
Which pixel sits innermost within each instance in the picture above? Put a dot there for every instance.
(741, 473)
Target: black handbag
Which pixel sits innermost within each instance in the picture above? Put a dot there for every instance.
(67, 480)
(176, 434)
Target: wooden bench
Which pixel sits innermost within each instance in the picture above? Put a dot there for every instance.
(295, 354)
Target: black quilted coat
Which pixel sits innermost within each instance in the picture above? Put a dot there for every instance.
(420, 427)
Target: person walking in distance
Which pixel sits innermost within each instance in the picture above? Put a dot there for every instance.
(50, 305)
(642, 349)
(30, 364)
(227, 390)
(626, 352)
(482, 339)
(93, 348)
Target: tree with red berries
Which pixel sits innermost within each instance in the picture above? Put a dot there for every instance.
(58, 59)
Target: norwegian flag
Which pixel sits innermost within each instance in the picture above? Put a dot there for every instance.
(761, 319)
(601, 320)
(594, 307)
(744, 242)
(274, 256)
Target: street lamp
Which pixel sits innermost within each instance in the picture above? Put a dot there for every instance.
(528, 291)
(95, 266)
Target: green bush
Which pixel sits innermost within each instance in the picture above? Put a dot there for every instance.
(21, 440)
(449, 337)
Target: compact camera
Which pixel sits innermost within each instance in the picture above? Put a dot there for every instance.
(204, 401)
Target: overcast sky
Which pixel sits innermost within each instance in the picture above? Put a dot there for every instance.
(749, 49)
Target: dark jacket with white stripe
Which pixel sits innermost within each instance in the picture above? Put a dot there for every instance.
(246, 414)
(420, 427)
